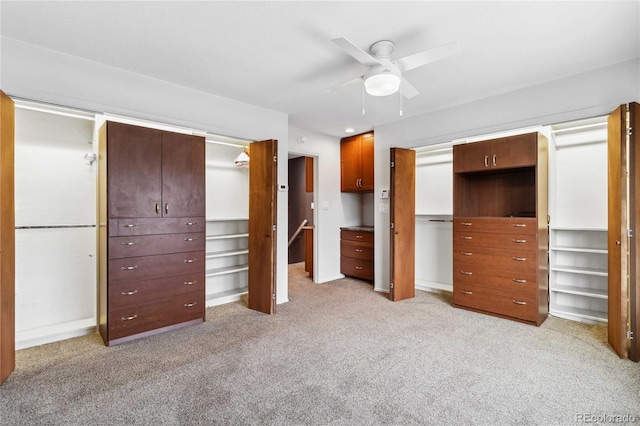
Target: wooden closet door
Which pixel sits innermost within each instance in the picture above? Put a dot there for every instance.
(263, 176)
(7, 239)
(183, 175)
(403, 229)
(634, 210)
(617, 231)
(134, 167)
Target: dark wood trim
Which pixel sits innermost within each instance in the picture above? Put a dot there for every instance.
(634, 192)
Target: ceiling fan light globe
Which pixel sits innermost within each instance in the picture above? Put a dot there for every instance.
(381, 81)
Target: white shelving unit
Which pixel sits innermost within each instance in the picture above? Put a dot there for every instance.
(578, 274)
(227, 256)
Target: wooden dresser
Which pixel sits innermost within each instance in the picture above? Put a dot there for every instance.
(500, 232)
(356, 252)
(152, 231)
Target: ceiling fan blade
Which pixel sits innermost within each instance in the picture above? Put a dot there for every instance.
(346, 83)
(360, 55)
(419, 59)
(408, 91)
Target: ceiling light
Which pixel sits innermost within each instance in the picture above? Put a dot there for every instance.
(242, 159)
(349, 130)
(381, 81)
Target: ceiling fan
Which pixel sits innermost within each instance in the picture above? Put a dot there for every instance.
(384, 75)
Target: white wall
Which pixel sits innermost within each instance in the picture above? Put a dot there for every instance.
(343, 208)
(45, 75)
(589, 94)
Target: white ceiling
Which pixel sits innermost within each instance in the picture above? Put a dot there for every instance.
(279, 55)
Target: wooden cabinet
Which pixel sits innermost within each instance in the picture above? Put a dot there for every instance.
(356, 163)
(152, 231)
(356, 253)
(500, 261)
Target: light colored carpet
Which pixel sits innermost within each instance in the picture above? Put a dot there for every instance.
(337, 353)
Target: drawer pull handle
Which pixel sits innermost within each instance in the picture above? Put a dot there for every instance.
(189, 305)
(494, 160)
(190, 260)
(466, 238)
(466, 223)
(359, 237)
(190, 282)
(190, 239)
(466, 253)
(359, 268)
(466, 292)
(129, 225)
(129, 293)
(191, 223)
(518, 302)
(157, 208)
(486, 161)
(466, 273)
(519, 259)
(359, 250)
(166, 208)
(519, 241)
(130, 243)
(515, 280)
(129, 268)
(129, 318)
(519, 225)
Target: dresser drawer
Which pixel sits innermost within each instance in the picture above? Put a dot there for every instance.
(365, 237)
(136, 293)
(464, 239)
(358, 268)
(503, 225)
(151, 225)
(138, 319)
(495, 301)
(356, 249)
(487, 276)
(147, 245)
(159, 266)
(510, 260)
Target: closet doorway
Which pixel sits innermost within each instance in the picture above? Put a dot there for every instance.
(301, 223)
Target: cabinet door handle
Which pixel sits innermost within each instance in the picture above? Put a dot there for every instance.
(518, 302)
(466, 223)
(515, 280)
(486, 161)
(157, 208)
(519, 241)
(129, 293)
(494, 160)
(359, 268)
(190, 260)
(129, 268)
(166, 208)
(359, 237)
(190, 282)
(466, 292)
(519, 259)
(191, 223)
(133, 243)
(466, 238)
(358, 250)
(129, 225)
(132, 317)
(466, 253)
(188, 305)
(465, 273)
(190, 239)
(519, 225)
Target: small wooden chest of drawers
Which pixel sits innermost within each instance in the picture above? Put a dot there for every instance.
(356, 253)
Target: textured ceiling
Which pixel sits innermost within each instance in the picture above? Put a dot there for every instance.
(279, 55)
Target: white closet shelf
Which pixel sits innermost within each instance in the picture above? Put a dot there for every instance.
(580, 291)
(223, 297)
(580, 249)
(227, 253)
(226, 236)
(570, 312)
(580, 270)
(226, 270)
(566, 228)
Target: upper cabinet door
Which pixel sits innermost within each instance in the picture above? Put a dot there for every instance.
(366, 182)
(514, 151)
(183, 175)
(350, 164)
(134, 167)
(471, 157)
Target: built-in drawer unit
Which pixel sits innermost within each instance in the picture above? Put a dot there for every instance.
(356, 252)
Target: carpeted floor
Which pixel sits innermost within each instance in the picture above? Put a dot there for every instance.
(337, 353)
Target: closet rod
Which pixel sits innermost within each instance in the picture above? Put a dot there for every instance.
(54, 226)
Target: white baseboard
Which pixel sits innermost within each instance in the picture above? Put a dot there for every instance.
(54, 333)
